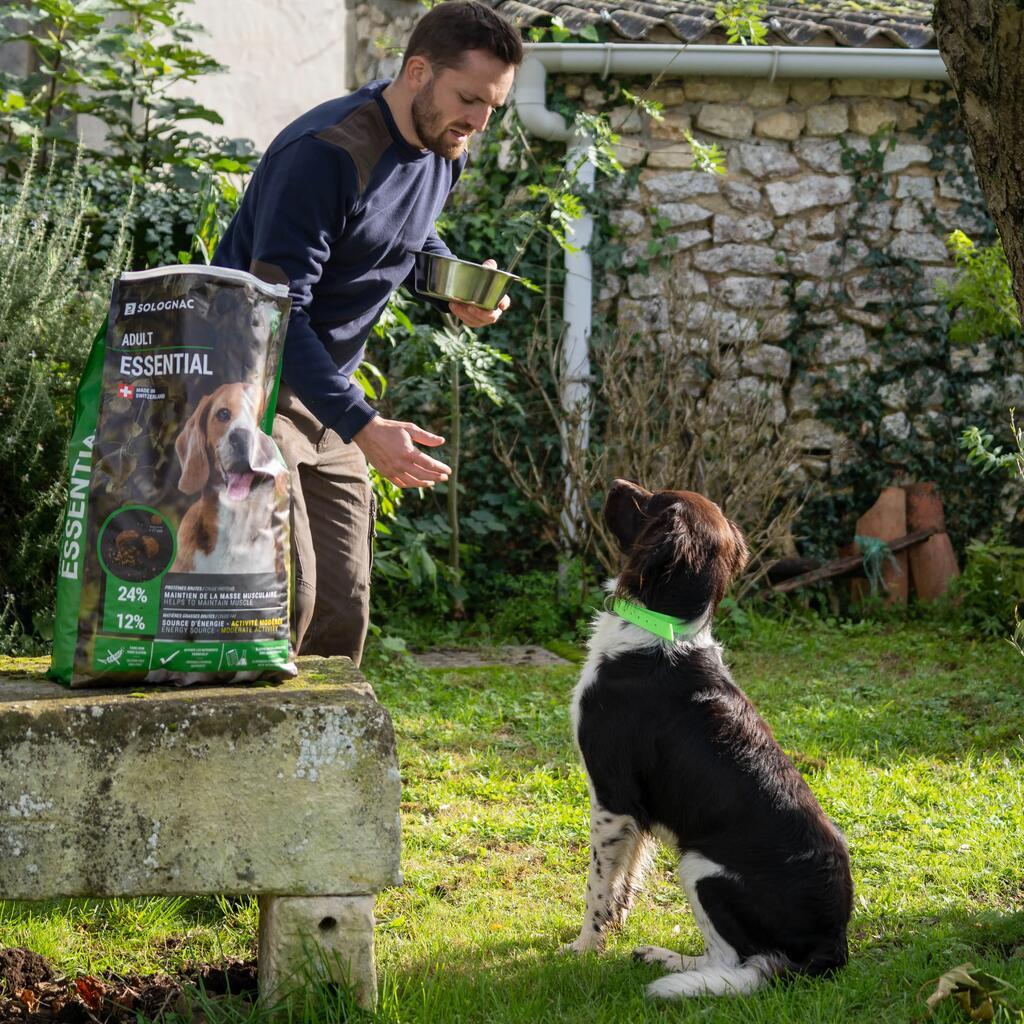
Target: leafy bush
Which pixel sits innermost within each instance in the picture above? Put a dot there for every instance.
(982, 293)
(117, 61)
(991, 586)
(49, 310)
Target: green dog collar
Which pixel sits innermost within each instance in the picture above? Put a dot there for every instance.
(668, 627)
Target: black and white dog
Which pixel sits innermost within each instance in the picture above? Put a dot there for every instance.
(674, 750)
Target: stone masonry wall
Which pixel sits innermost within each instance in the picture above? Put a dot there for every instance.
(777, 232)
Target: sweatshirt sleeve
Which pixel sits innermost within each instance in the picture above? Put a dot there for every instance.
(306, 194)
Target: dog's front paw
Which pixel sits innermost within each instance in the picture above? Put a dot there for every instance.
(584, 944)
(657, 955)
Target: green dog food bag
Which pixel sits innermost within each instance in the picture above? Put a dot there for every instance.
(174, 552)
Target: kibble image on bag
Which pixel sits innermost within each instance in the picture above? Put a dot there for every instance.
(174, 553)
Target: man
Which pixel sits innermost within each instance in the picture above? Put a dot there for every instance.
(336, 208)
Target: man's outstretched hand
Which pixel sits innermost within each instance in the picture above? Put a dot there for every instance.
(473, 316)
(389, 447)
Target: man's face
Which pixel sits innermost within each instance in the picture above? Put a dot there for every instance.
(452, 103)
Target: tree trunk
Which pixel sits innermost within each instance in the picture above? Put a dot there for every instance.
(982, 42)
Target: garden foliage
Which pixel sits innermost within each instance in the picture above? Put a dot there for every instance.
(47, 321)
(127, 64)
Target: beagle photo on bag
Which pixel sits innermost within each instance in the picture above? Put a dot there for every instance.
(241, 483)
(674, 750)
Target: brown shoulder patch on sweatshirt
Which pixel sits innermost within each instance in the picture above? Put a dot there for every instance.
(364, 136)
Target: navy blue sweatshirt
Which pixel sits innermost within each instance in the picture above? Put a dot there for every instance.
(336, 208)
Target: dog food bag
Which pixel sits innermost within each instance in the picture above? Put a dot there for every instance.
(174, 551)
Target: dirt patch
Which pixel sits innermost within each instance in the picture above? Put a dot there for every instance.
(508, 656)
(31, 991)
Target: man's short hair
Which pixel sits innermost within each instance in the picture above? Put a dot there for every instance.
(449, 30)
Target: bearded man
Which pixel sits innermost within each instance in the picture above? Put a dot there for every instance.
(337, 207)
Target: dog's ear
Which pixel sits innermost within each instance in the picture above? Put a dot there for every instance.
(191, 449)
(740, 553)
(624, 511)
(269, 461)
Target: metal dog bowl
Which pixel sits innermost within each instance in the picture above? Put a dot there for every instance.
(443, 277)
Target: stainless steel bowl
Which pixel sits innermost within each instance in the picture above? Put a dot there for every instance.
(443, 277)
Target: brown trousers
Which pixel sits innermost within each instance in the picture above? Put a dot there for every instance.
(332, 532)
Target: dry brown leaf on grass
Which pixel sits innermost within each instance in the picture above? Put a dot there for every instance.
(976, 992)
(28, 997)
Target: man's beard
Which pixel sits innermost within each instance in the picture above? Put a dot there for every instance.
(427, 122)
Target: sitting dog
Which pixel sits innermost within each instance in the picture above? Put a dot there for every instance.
(228, 461)
(673, 749)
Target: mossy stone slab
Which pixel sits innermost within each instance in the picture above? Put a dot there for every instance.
(285, 789)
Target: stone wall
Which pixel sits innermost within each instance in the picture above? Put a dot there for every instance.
(783, 248)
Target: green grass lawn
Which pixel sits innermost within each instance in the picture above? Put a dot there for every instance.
(910, 736)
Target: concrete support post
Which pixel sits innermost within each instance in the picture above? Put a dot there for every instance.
(326, 937)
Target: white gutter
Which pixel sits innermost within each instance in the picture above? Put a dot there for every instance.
(669, 61)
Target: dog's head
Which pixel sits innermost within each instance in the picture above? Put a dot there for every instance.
(679, 551)
(222, 446)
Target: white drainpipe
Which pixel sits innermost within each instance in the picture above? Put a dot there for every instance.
(670, 61)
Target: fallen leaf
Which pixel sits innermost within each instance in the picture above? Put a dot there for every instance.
(90, 991)
(28, 997)
(976, 992)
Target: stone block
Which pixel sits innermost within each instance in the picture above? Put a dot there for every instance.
(667, 95)
(972, 359)
(680, 214)
(909, 217)
(918, 245)
(894, 395)
(748, 259)
(684, 240)
(645, 286)
(327, 938)
(627, 120)
(894, 427)
(267, 789)
(753, 228)
(904, 155)
(689, 283)
(809, 90)
(673, 125)
(928, 92)
(742, 196)
(955, 187)
(868, 116)
(891, 88)
(823, 225)
(718, 90)
(782, 124)
(814, 436)
(827, 119)
(843, 344)
(630, 152)
(671, 158)
(764, 160)
(670, 188)
(825, 155)
(915, 186)
(768, 361)
(750, 292)
(768, 94)
(804, 396)
(821, 260)
(729, 120)
(628, 222)
(788, 197)
(643, 317)
(792, 236)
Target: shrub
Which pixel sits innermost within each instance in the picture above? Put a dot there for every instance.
(991, 585)
(49, 311)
